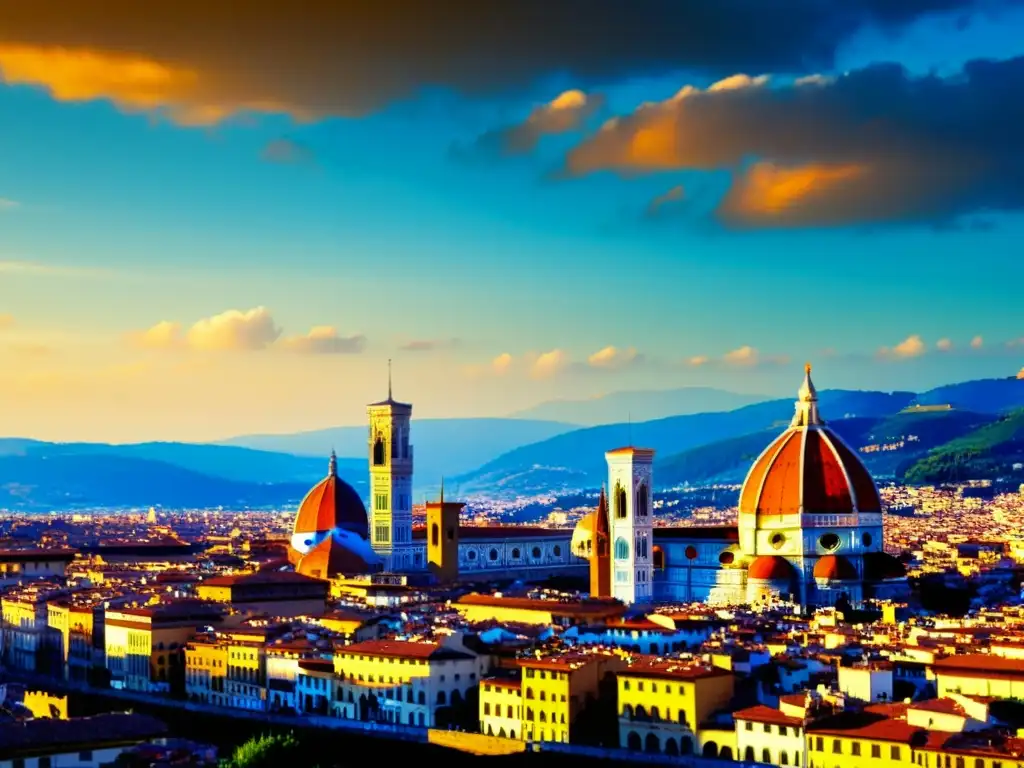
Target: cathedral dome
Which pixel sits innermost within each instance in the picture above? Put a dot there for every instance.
(808, 469)
(331, 504)
(771, 568)
(834, 568)
(590, 537)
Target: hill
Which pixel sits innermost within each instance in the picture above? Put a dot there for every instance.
(988, 452)
(66, 480)
(908, 437)
(981, 395)
(577, 457)
(230, 463)
(444, 447)
(640, 405)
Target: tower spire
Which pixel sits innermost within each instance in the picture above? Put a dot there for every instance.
(332, 465)
(389, 380)
(807, 402)
(442, 490)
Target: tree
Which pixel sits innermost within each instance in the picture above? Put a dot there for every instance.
(268, 751)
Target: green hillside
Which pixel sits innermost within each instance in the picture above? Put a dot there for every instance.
(915, 432)
(985, 453)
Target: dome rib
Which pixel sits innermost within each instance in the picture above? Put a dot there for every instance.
(829, 437)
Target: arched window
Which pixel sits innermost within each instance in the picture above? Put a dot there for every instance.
(493, 555)
(421, 697)
(441, 698)
(515, 553)
(536, 553)
(557, 551)
(621, 549)
(620, 502)
(435, 535)
(379, 456)
(642, 501)
(659, 559)
(766, 755)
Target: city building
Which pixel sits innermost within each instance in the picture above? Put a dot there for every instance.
(276, 593)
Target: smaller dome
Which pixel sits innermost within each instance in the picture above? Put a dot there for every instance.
(341, 553)
(834, 568)
(879, 566)
(332, 503)
(771, 568)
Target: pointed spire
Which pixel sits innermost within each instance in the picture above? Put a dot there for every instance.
(389, 380)
(807, 402)
(332, 465)
(442, 490)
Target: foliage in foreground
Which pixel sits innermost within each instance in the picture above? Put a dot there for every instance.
(266, 752)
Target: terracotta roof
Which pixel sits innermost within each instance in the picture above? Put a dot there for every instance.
(331, 558)
(979, 665)
(630, 450)
(651, 666)
(400, 649)
(762, 714)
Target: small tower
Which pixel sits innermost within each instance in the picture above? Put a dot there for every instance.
(391, 481)
(632, 532)
(600, 560)
(443, 538)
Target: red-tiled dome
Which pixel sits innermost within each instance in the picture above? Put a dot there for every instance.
(834, 568)
(879, 566)
(332, 503)
(808, 469)
(771, 568)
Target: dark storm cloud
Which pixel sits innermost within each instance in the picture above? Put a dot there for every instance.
(202, 60)
(874, 145)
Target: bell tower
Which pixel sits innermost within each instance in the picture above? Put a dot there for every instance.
(631, 522)
(391, 481)
(443, 538)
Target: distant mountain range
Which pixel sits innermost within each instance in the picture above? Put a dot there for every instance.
(639, 405)
(707, 446)
(443, 447)
(41, 476)
(982, 434)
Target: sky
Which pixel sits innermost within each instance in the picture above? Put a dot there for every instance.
(217, 222)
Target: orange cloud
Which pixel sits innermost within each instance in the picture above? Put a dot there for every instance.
(324, 340)
(135, 83)
(977, 342)
(234, 330)
(745, 355)
(613, 357)
(698, 360)
(768, 193)
(548, 363)
(944, 345)
(1020, 374)
(163, 335)
(912, 346)
(501, 363)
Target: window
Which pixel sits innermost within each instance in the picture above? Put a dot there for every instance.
(557, 551)
(642, 500)
(621, 549)
(493, 555)
(380, 501)
(378, 451)
(516, 553)
(894, 752)
(855, 749)
(876, 751)
(435, 535)
(620, 502)
(535, 553)
(837, 747)
(782, 730)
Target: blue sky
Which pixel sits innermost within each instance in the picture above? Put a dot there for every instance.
(322, 243)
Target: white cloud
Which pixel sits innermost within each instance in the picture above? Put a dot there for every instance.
(613, 357)
(912, 346)
(7, 204)
(944, 345)
(324, 340)
(977, 342)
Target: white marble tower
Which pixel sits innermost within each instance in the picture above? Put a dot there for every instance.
(631, 523)
(391, 481)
